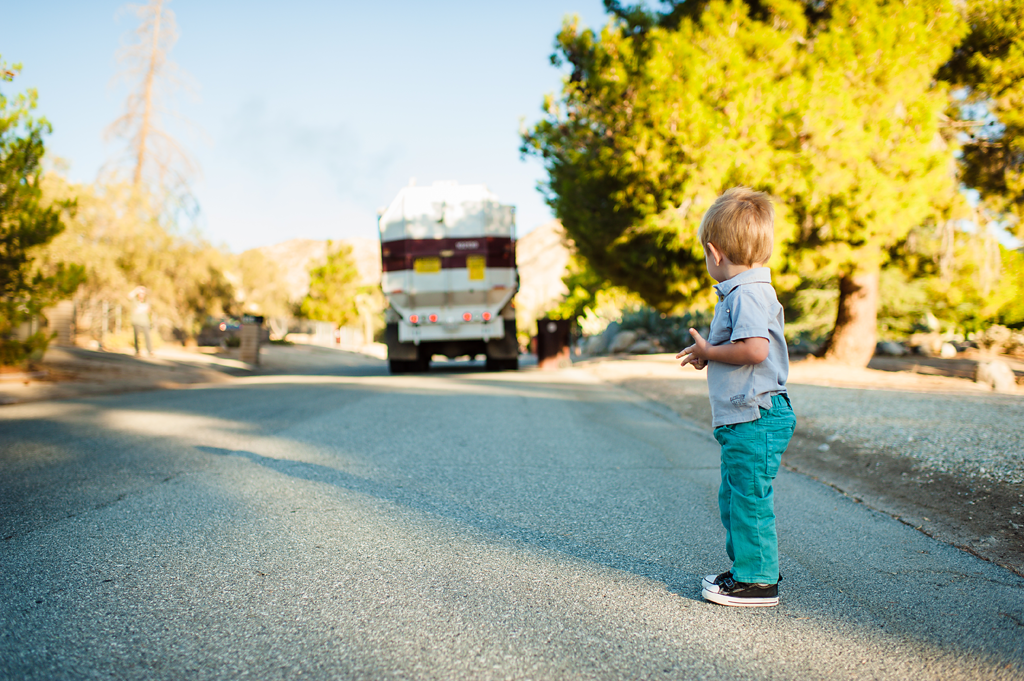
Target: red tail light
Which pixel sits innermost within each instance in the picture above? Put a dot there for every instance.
(433, 318)
(467, 316)
(486, 316)
(414, 318)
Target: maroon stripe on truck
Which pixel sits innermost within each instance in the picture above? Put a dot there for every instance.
(399, 255)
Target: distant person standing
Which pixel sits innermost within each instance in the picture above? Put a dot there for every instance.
(140, 318)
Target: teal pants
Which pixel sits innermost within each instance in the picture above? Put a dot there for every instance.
(751, 454)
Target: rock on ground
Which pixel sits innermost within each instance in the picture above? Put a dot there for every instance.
(996, 374)
(622, 341)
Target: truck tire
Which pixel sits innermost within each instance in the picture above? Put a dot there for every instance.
(410, 366)
(494, 364)
(402, 366)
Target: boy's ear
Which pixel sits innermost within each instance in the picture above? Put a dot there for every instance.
(716, 254)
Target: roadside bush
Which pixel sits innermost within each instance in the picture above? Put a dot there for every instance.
(672, 331)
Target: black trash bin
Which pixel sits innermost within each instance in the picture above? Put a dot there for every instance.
(250, 336)
(553, 339)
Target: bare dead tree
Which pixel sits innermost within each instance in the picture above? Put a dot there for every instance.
(158, 161)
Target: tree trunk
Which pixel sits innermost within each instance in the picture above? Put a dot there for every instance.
(853, 339)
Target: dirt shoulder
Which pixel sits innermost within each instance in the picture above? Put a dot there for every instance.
(69, 373)
(933, 450)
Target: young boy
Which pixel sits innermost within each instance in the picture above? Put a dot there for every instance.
(748, 363)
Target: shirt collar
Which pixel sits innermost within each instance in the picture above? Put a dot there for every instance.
(757, 275)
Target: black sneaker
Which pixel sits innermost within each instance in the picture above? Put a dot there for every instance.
(730, 592)
(714, 580)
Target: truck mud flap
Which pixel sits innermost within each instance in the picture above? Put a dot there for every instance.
(507, 347)
(396, 350)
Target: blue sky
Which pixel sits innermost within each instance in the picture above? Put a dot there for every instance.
(309, 116)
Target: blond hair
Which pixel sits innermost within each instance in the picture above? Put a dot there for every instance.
(741, 224)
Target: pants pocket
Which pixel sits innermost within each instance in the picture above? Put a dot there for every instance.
(773, 454)
(778, 441)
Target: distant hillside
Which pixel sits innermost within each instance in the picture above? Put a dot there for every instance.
(296, 256)
(542, 257)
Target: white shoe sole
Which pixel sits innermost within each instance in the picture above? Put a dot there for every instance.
(723, 599)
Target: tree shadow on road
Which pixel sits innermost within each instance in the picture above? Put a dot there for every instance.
(684, 584)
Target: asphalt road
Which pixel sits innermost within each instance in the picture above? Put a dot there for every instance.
(457, 525)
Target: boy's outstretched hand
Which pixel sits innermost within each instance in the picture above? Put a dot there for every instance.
(695, 354)
(753, 350)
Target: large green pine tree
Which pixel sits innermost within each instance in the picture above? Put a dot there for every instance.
(831, 107)
(872, 163)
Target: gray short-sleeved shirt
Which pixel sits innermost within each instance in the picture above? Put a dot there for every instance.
(747, 308)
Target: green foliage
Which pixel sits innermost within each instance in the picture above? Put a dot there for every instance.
(851, 114)
(333, 288)
(592, 302)
(126, 245)
(671, 329)
(1011, 309)
(835, 113)
(903, 304)
(982, 285)
(988, 69)
(649, 129)
(26, 224)
(811, 310)
(206, 293)
(865, 164)
(261, 285)
(583, 286)
(973, 294)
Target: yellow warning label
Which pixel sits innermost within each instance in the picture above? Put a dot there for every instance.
(476, 264)
(427, 265)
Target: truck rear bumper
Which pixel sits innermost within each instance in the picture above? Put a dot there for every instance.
(504, 348)
(427, 333)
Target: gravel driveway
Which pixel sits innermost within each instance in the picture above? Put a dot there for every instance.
(971, 434)
(948, 425)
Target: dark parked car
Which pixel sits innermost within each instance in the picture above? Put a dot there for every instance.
(223, 332)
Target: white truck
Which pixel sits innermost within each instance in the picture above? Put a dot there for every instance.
(448, 270)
